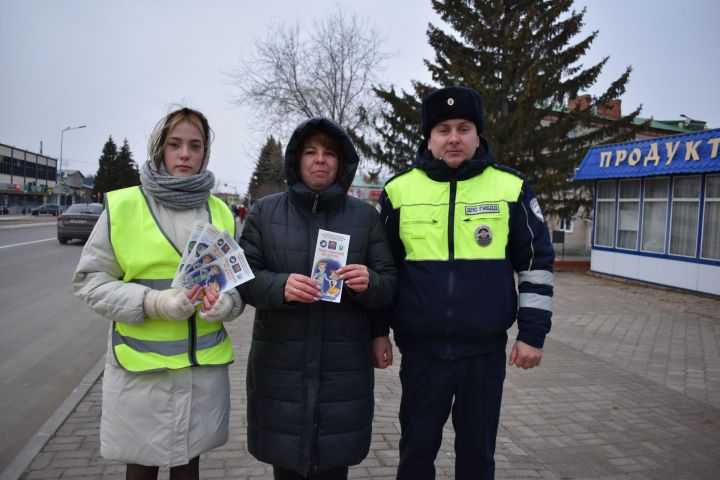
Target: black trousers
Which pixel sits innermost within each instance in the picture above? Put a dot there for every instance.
(432, 388)
(334, 474)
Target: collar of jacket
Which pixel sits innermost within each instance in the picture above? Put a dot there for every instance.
(334, 195)
(439, 171)
(328, 199)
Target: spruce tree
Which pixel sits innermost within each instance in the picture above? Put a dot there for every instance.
(126, 170)
(116, 169)
(520, 55)
(104, 175)
(269, 174)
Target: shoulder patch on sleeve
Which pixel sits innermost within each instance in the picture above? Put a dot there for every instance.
(535, 206)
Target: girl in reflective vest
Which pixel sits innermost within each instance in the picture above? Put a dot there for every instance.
(165, 388)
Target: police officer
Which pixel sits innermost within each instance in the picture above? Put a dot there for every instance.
(460, 226)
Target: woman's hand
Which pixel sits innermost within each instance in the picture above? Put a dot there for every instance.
(356, 277)
(171, 304)
(299, 288)
(220, 309)
(193, 293)
(208, 296)
(382, 352)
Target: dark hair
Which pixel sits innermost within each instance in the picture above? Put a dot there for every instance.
(326, 140)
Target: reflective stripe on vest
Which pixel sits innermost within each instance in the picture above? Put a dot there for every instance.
(148, 258)
(480, 220)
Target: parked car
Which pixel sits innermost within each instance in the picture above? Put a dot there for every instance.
(78, 221)
(46, 209)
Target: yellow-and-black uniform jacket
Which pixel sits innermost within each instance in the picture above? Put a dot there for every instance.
(458, 236)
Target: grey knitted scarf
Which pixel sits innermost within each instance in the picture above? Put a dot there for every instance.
(176, 192)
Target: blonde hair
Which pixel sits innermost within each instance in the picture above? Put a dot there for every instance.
(159, 135)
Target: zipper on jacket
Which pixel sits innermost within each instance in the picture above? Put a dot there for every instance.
(451, 220)
(315, 203)
(420, 222)
(193, 340)
(451, 268)
(313, 464)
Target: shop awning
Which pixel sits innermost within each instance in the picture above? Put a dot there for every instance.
(697, 152)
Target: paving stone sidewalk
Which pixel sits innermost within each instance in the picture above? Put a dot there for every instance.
(629, 389)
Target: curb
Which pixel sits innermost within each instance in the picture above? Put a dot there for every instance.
(577, 265)
(24, 458)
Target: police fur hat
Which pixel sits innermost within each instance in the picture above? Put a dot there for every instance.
(451, 103)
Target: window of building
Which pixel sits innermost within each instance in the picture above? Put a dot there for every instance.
(5, 165)
(628, 214)
(655, 201)
(684, 216)
(711, 219)
(605, 213)
(566, 224)
(30, 171)
(18, 167)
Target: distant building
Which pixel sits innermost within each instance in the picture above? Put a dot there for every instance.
(27, 179)
(88, 184)
(657, 210)
(576, 230)
(367, 186)
(73, 188)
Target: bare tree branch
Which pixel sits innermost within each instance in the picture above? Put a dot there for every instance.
(293, 74)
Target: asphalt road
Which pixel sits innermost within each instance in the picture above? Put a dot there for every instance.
(49, 340)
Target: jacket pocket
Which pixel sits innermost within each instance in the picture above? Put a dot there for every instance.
(482, 236)
(424, 238)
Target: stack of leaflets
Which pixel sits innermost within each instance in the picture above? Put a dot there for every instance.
(331, 252)
(212, 259)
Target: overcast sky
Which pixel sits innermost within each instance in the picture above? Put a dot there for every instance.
(117, 66)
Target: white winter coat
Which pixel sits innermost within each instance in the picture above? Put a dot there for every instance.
(163, 418)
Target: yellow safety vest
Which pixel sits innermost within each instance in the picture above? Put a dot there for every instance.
(147, 257)
(475, 226)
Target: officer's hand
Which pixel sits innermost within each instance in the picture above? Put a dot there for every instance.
(356, 277)
(525, 356)
(382, 352)
(299, 288)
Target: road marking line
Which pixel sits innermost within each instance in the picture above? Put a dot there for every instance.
(28, 243)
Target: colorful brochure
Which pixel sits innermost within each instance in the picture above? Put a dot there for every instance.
(211, 258)
(330, 255)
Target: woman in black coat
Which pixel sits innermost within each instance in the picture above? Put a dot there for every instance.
(310, 369)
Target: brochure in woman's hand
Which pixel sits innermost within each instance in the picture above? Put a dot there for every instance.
(330, 255)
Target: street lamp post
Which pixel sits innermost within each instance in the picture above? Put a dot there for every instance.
(58, 175)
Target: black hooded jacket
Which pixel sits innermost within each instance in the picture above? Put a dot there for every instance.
(310, 374)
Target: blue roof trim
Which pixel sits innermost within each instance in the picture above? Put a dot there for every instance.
(697, 152)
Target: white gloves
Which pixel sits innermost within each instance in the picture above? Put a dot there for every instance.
(169, 304)
(174, 304)
(220, 310)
